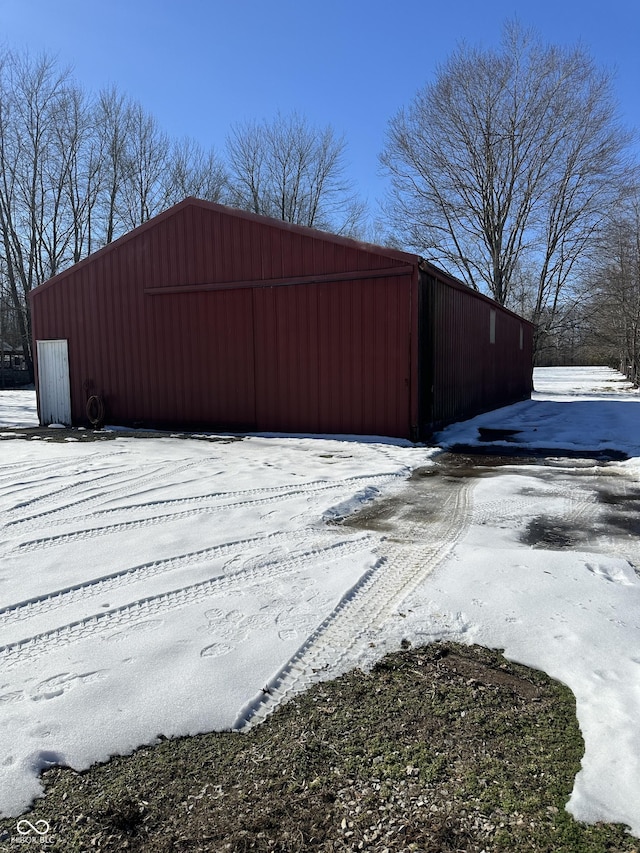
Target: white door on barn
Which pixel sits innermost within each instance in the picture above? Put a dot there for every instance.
(54, 390)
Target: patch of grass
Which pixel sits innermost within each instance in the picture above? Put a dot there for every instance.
(439, 749)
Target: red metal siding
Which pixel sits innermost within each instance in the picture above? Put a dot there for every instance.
(199, 367)
(216, 318)
(468, 372)
(203, 245)
(158, 327)
(334, 357)
(174, 359)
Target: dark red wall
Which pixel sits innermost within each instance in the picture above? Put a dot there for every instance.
(334, 357)
(462, 371)
(215, 318)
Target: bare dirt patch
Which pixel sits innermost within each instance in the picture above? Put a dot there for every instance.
(83, 435)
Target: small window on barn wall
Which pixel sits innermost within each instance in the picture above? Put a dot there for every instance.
(521, 337)
(492, 326)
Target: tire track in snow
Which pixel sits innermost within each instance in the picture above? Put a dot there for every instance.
(404, 563)
(11, 471)
(27, 609)
(100, 624)
(35, 521)
(285, 489)
(54, 495)
(580, 504)
(136, 524)
(18, 478)
(125, 484)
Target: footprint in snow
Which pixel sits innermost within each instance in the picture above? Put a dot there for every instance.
(58, 684)
(216, 650)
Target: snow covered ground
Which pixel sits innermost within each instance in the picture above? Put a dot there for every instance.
(154, 586)
(18, 408)
(549, 570)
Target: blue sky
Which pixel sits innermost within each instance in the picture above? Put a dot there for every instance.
(201, 65)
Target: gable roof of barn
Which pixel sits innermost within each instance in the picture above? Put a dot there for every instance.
(391, 254)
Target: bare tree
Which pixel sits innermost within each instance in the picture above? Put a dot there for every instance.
(292, 171)
(146, 163)
(34, 234)
(142, 171)
(78, 149)
(195, 172)
(509, 160)
(615, 291)
(113, 127)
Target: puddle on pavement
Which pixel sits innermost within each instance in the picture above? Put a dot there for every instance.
(557, 533)
(456, 465)
(624, 522)
(547, 532)
(622, 507)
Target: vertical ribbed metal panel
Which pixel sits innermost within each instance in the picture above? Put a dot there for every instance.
(464, 372)
(55, 396)
(334, 357)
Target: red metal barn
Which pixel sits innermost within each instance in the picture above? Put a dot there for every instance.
(212, 318)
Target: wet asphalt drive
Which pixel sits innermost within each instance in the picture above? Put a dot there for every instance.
(561, 502)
